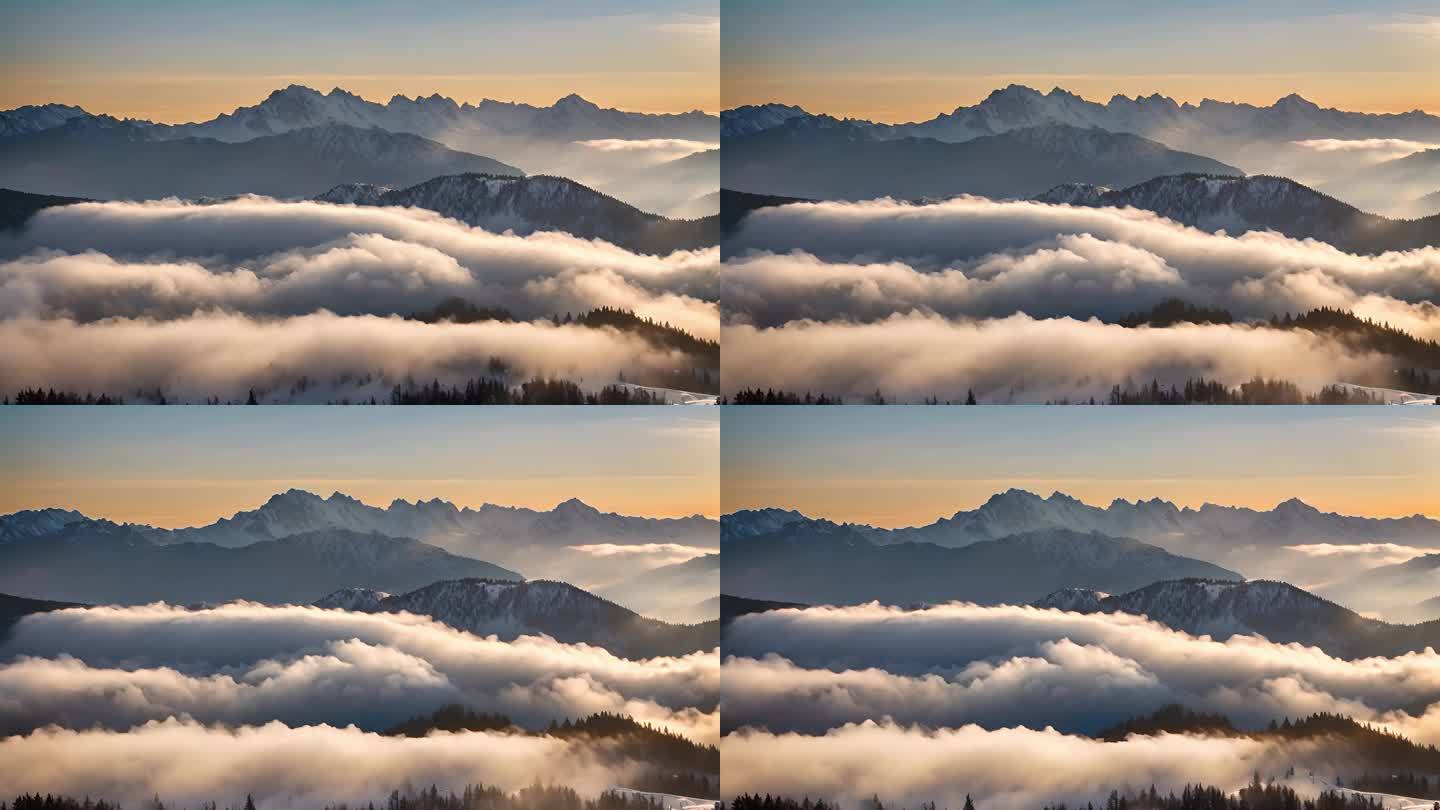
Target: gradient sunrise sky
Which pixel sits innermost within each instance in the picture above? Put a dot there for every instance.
(180, 60)
(909, 60)
(182, 466)
(900, 466)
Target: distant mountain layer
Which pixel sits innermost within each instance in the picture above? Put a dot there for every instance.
(570, 542)
(684, 592)
(17, 207)
(1280, 612)
(1404, 590)
(297, 107)
(1018, 107)
(826, 158)
(556, 609)
(100, 562)
(436, 520)
(1258, 203)
(819, 562)
(1161, 521)
(540, 203)
(109, 159)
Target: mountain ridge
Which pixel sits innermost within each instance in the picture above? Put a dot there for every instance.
(509, 609)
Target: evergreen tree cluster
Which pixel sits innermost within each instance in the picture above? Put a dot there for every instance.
(754, 396)
(538, 391)
(39, 396)
(1259, 391)
(1173, 311)
(1255, 796)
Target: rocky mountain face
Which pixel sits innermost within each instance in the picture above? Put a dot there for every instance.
(556, 609)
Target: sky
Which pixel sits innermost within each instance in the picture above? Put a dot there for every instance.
(900, 466)
(179, 60)
(912, 59)
(184, 466)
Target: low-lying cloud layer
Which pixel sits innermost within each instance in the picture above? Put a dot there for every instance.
(224, 354)
(1019, 358)
(187, 763)
(975, 293)
(250, 664)
(809, 670)
(270, 285)
(1010, 769)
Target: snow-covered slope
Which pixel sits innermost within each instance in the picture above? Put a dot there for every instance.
(752, 522)
(1257, 203)
(34, 118)
(556, 609)
(751, 118)
(36, 522)
(1275, 610)
(538, 203)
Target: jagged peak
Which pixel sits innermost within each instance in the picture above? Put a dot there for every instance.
(575, 100)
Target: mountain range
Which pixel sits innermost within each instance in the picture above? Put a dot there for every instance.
(299, 107)
(538, 203)
(826, 158)
(1274, 544)
(1017, 510)
(566, 542)
(1160, 117)
(509, 609)
(817, 561)
(1257, 203)
(104, 158)
(1277, 611)
(100, 562)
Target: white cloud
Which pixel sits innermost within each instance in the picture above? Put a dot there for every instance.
(186, 763)
(249, 664)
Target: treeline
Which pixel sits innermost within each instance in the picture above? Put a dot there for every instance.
(38, 396)
(1259, 391)
(1255, 796)
(1369, 745)
(1173, 311)
(658, 333)
(1413, 785)
(539, 391)
(680, 765)
(472, 797)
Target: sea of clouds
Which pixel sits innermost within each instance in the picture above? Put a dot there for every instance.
(1002, 702)
(1007, 296)
(214, 299)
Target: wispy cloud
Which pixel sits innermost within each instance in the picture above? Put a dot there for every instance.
(1411, 24)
